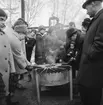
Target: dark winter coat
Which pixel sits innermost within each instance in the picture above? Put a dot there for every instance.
(29, 44)
(40, 49)
(91, 66)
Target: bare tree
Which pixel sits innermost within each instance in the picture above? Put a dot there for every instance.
(54, 5)
(65, 10)
(10, 7)
(33, 8)
(70, 10)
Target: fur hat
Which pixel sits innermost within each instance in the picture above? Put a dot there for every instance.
(3, 13)
(18, 26)
(87, 2)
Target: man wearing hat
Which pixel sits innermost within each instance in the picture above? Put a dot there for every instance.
(90, 76)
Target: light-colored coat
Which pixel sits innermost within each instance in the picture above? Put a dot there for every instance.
(6, 59)
(19, 57)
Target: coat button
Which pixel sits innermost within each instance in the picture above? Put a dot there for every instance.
(5, 58)
(6, 71)
(4, 45)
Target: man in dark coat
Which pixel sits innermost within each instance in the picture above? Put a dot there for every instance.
(39, 48)
(90, 76)
(30, 42)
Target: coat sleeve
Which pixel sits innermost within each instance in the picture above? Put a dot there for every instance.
(20, 59)
(96, 48)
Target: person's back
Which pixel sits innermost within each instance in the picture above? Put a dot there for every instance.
(39, 49)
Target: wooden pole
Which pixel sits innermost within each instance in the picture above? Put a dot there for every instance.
(37, 87)
(71, 85)
(23, 9)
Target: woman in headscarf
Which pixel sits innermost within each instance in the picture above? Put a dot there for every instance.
(73, 48)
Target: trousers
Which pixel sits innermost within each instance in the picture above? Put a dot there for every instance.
(90, 96)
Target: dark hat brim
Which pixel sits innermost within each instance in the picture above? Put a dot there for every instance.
(88, 2)
(70, 32)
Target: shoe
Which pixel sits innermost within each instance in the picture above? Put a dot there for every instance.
(20, 87)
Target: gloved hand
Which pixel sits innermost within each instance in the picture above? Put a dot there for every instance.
(29, 68)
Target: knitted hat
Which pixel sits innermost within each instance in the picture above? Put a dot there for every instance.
(20, 21)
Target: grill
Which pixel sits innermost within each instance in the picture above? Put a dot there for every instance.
(52, 75)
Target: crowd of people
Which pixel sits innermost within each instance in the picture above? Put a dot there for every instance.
(21, 46)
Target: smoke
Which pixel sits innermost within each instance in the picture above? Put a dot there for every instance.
(53, 42)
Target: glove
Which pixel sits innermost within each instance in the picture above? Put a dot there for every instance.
(29, 68)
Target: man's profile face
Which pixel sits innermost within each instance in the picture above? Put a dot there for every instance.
(90, 10)
(2, 22)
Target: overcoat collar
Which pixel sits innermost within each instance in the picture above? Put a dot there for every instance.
(95, 17)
